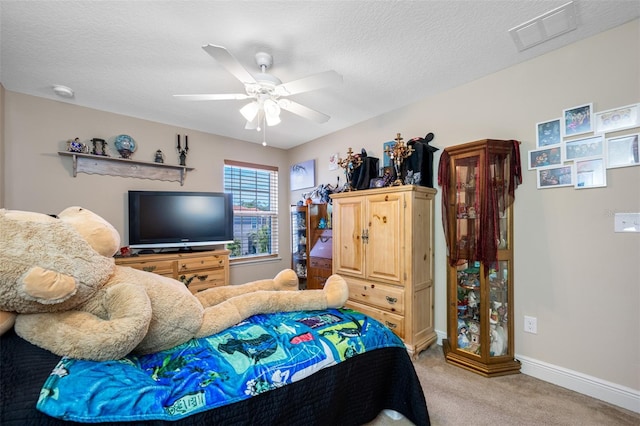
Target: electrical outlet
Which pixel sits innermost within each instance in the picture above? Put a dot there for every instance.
(531, 325)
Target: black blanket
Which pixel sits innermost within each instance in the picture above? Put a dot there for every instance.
(350, 393)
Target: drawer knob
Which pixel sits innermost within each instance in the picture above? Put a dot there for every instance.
(202, 277)
(149, 268)
(390, 325)
(391, 300)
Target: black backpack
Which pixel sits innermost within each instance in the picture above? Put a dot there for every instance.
(418, 167)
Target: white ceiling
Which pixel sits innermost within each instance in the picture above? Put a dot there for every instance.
(131, 57)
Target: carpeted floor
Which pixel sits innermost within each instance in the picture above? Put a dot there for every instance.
(459, 397)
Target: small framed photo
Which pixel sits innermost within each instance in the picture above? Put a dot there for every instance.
(590, 173)
(386, 160)
(333, 161)
(577, 120)
(618, 119)
(583, 148)
(622, 151)
(551, 156)
(555, 176)
(303, 175)
(548, 133)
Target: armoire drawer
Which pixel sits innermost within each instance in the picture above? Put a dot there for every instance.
(377, 295)
(393, 322)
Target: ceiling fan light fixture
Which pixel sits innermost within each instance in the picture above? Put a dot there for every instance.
(271, 112)
(250, 110)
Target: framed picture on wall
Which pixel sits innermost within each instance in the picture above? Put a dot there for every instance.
(555, 176)
(622, 151)
(386, 160)
(333, 161)
(583, 148)
(590, 173)
(577, 120)
(618, 119)
(551, 156)
(548, 133)
(303, 175)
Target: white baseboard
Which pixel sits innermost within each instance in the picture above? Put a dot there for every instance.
(612, 393)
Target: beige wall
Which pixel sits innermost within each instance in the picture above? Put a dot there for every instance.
(38, 179)
(572, 272)
(579, 278)
(2, 168)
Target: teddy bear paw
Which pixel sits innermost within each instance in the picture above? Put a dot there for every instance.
(286, 280)
(336, 291)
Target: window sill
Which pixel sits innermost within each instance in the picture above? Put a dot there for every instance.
(257, 259)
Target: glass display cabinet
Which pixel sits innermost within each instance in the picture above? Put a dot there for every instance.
(478, 180)
(320, 242)
(299, 246)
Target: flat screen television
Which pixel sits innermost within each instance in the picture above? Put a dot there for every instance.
(167, 219)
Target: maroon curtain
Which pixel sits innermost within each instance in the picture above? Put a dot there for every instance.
(499, 190)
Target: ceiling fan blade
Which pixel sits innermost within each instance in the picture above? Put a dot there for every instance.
(228, 61)
(220, 97)
(307, 84)
(303, 111)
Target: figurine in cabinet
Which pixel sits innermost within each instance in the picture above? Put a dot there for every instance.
(472, 303)
(498, 344)
(463, 339)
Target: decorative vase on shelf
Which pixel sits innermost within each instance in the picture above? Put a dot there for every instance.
(125, 145)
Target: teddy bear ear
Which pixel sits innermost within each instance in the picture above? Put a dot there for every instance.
(46, 286)
(99, 233)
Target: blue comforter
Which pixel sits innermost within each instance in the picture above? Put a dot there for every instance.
(262, 353)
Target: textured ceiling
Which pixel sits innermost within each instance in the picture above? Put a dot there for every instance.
(131, 57)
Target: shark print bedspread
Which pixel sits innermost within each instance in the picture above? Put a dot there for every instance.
(262, 353)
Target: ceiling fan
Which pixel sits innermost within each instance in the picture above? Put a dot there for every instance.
(267, 93)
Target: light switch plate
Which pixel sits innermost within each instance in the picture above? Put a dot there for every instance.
(627, 222)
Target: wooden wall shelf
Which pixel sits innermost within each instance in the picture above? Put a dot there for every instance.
(99, 165)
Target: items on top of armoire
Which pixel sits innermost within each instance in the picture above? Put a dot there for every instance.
(351, 163)
(418, 169)
(412, 164)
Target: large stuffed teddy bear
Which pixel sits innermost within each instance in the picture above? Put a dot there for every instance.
(60, 285)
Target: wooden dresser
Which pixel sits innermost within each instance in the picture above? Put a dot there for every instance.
(383, 247)
(197, 270)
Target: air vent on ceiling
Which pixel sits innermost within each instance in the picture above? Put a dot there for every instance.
(558, 21)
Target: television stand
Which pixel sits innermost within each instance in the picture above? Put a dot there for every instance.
(198, 270)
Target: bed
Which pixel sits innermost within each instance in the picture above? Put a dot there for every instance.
(348, 368)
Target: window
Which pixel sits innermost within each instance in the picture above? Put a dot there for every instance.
(255, 208)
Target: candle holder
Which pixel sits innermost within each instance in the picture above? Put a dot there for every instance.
(182, 152)
(349, 164)
(398, 153)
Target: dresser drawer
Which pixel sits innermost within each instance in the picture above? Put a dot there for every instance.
(199, 270)
(165, 268)
(393, 322)
(198, 281)
(377, 295)
(197, 263)
(320, 263)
